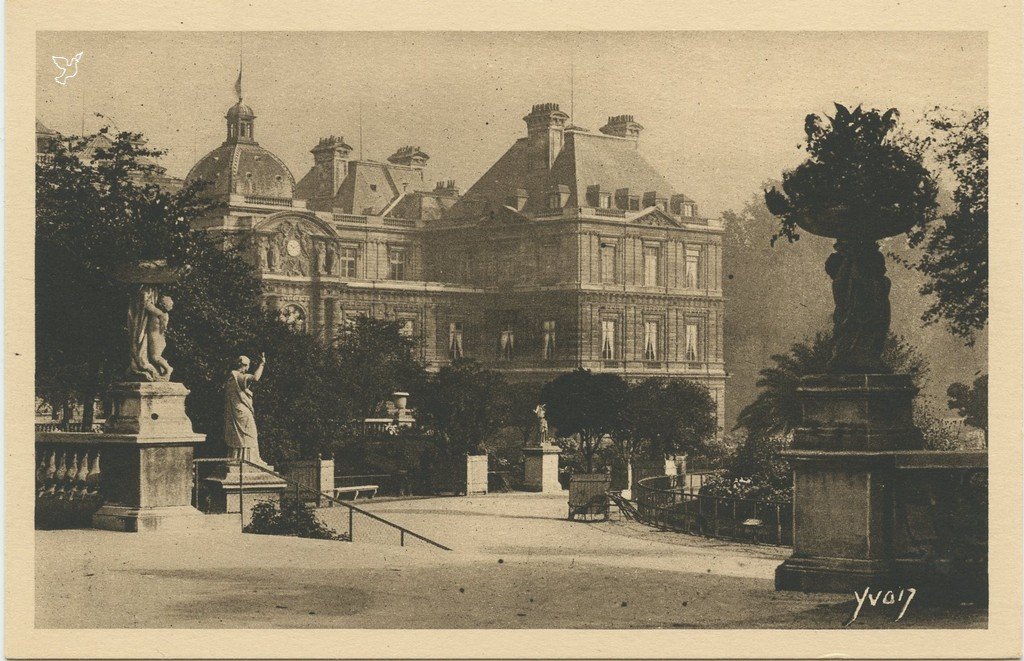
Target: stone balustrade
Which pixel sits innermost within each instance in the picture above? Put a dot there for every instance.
(68, 483)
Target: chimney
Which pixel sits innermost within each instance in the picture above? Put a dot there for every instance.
(447, 188)
(519, 199)
(623, 126)
(409, 156)
(545, 130)
(331, 154)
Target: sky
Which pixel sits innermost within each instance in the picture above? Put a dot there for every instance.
(723, 111)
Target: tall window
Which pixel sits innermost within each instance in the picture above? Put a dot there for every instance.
(692, 353)
(651, 254)
(687, 210)
(347, 261)
(692, 275)
(650, 340)
(548, 345)
(608, 339)
(455, 340)
(507, 344)
(396, 262)
(609, 251)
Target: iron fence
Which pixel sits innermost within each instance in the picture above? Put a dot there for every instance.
(667, 502)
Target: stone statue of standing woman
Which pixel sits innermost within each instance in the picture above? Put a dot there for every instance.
(239, 418)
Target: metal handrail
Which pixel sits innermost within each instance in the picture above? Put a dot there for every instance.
(655, 506)
(298, 487)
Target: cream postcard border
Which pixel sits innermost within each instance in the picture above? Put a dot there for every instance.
(1002, 22)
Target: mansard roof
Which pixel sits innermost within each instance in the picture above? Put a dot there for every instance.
(586, 159)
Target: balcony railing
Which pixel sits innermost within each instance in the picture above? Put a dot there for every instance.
(269, 201)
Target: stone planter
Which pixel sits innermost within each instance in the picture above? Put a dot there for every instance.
(476, 474)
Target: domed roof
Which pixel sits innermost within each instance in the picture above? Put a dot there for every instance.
(240, 110)
(243, 168)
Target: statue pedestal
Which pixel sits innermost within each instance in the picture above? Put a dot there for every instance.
(238, 489)
(146, 451)
(864, 492)
(540, 466)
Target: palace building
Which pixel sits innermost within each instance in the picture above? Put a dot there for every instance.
(570, 251)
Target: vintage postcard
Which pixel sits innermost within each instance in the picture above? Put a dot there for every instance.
(513, 330)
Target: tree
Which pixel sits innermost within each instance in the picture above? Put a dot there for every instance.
(461, 406)
(955, 257)
(588, 405)
(665, 417)
(376, 360)
(971, 402)
(777, 411)
(97, 214)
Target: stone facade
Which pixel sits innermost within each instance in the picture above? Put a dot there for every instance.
(570, 251)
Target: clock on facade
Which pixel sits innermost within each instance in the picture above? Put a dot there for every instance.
(293, 247)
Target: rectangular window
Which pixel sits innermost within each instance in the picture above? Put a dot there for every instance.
(507, 343)
(692, 353)
(609, 252)
(608, 339)
(692, 279)
(455, 340)
(347, 262)
(650, 340)
(687, 210)
(548, 343)
(396, 263)
(604, 200)
(651, 271)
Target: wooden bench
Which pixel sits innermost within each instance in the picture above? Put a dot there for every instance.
(370, 489)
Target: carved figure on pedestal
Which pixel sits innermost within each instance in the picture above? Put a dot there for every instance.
(540, 435)
(273, 256)
(148, 318)
(862, 315)
(239, 413)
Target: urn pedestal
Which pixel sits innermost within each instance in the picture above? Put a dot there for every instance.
(237, 489)
(858, 466)
(540, 467)
(147, 448)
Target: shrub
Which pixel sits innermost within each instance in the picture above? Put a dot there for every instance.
(293, 519)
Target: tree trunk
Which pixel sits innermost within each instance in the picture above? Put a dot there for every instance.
(588, 453)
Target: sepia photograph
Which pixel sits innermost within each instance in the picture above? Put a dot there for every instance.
(586, 330)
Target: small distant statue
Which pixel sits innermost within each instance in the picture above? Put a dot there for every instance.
(148, 319)
(321, 259)
(541, 434)
(273, 257)
(239, 413)
(262, 249)
(860, 289)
